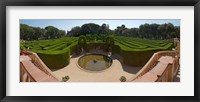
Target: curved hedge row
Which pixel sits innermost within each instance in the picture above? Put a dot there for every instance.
(135, 58)
(55, 53)
(136, 52)
(55, 61)
(92, 45)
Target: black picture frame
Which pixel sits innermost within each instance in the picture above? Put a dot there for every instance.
(5, 3)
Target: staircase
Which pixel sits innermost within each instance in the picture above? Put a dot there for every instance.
(29, 72)
(162, 67)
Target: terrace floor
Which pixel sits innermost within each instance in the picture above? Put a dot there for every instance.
(112, 74)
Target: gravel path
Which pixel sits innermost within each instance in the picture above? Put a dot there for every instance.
(112, 74)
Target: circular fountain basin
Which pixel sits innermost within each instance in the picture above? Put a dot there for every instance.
(95, 62)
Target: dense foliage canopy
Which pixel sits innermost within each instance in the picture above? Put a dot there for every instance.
(35, 33)
(145, 31)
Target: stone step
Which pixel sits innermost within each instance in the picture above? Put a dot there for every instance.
(36, 74)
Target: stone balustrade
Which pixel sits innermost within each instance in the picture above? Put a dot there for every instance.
(31, 73)
(162, 67)
(26, 74)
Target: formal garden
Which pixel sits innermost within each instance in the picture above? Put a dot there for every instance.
(96, 53)
(55, 53)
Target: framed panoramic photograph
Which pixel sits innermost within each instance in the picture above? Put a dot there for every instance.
(129, 48)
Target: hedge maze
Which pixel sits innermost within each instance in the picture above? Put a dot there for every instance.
(136, 44)
(55, 53)
(49, 45)
(137, 52)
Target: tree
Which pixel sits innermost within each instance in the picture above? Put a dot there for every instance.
(170, 29)
(75, 31)
(145, 30)
(177, 31)
(61, 33)
(51, 32)
(120, 29)
(133, 32)
(104, 29)
(26, 32)
(154, 31)
(38, 33)
(34, 33)
(90, 28)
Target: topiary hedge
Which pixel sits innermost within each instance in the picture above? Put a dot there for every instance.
(82, 42)
(91, 45)
(138, 57)
(55, 60)
(109, 41)
(55, 53)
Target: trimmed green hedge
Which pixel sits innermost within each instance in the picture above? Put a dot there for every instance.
(55, 53)
(138, 57)
(136, 52)
(82, 42)
(91, 45)
(55, 61)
